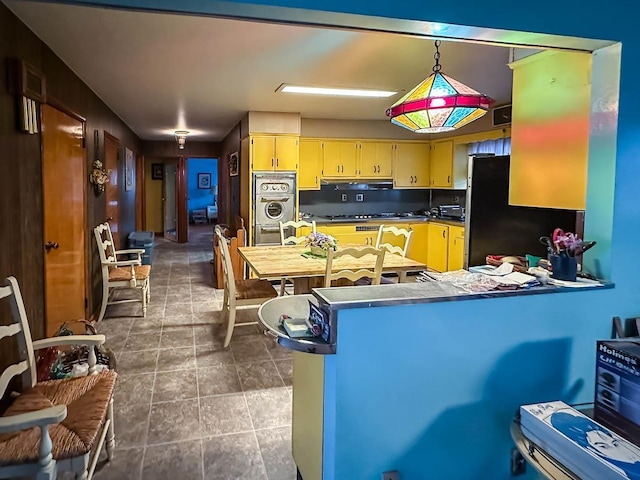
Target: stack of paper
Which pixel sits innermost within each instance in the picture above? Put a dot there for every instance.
(585, 447)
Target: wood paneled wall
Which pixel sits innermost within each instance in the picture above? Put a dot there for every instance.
(21, 226)
(152, 148)
(228, 187)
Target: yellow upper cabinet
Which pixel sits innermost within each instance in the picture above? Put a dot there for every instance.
(339, 158)
(441, 172)
(376, 159)
(550, 130)
(270, 152)
(310, 170)
(411, 165)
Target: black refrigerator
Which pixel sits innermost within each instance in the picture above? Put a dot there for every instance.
(493, 227)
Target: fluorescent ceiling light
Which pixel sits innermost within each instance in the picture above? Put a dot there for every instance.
(341, 92)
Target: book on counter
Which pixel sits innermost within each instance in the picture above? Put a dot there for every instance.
(585, 447)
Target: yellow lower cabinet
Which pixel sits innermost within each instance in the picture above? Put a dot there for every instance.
(456, 248)
(357, 238)
(438, 247)
(419, 242)
(303, 231)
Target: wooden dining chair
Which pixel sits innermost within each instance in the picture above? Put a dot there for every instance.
(392, 247)
(240, 294)
(293, 240)
(55, 425)
(353, 260)
(118, 274)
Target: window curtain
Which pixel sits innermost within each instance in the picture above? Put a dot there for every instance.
(500, 146)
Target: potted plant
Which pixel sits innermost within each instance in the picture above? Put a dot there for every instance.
(563, 250)
(320, 243)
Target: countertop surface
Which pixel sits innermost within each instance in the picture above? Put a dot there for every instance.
(427, 292)
(377, 221)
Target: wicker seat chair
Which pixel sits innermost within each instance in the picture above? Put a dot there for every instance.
(118, 274)
(56, 425)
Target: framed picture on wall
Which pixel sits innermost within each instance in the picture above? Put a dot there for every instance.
(157, 171)
(233, 164)
(128, 169)
(204, 180)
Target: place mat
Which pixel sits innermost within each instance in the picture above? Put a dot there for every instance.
(308, 254)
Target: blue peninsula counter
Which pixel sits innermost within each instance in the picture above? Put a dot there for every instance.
(425, 379)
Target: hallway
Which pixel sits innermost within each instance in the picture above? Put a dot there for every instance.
(185, 407)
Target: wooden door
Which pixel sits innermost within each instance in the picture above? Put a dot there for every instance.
(64, 178)
(170, 204)
(262, 153)
(112, 192)
(310, 165)
(287, 153)
(140, 194)
(411, 168)
(441, 164)
(438, 247)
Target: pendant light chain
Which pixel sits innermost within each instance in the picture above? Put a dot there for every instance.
(437, 67)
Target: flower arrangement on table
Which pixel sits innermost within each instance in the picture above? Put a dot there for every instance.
(99, 176)
(321, 243)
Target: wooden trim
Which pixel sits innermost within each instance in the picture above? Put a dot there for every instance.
(111, 137)
(182, 213)
(58, 105)
(141, 203)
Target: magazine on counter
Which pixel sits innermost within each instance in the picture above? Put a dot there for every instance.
(588, 449)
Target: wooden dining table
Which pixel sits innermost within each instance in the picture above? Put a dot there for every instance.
(277, 261)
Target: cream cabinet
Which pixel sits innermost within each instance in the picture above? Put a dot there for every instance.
(310, 164)
(375, 159)
(339, 158)
(276, 153)
(411, 165)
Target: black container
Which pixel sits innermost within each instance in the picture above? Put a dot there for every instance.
(564, 267)
(142, 240)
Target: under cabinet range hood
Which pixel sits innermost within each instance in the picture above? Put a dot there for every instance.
(358, 185)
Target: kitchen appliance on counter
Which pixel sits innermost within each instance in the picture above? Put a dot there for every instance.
(493, 227)
(274, 201)
(451, 212)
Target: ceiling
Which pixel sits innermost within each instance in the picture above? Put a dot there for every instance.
(162, 72)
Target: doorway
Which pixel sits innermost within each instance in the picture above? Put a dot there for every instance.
(170, 201)
(112, 194)
(64, 197)
(202, 195)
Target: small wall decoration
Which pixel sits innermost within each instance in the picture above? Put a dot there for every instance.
(233, 164)
(99, 177)
(204, 180)
(157, 171)
(128, 169)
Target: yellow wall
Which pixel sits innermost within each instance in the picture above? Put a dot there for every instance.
(153, 200)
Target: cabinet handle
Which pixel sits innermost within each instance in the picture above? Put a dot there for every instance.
(448, 178)
(443, 234)
(272, 163)
(316, 179)
(338, 168)
(277, 162)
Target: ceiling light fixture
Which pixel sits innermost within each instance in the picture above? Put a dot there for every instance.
(339, 92)
(181, 138)
(438, 104)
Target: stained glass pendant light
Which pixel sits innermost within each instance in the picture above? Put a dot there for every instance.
(438, 104)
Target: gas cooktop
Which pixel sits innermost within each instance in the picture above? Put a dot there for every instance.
(370, 216)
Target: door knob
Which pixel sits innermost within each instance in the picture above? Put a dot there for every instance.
(51, 246)
(109, 219)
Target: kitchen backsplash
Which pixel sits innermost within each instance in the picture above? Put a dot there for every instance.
(328, 200)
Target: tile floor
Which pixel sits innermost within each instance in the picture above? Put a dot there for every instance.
(185, 408)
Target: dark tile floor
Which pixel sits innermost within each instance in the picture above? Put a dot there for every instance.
(185, 408)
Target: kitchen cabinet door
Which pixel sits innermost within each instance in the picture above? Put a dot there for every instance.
(310, 165)
(262, 153)
(411, 165)
(376, 159)
(441, 164)
(438, 250)
(358, 238)
(286, 153)
(339, 158)
(419, 242)
(456, 248)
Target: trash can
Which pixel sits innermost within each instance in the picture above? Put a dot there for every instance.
(142, 240)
